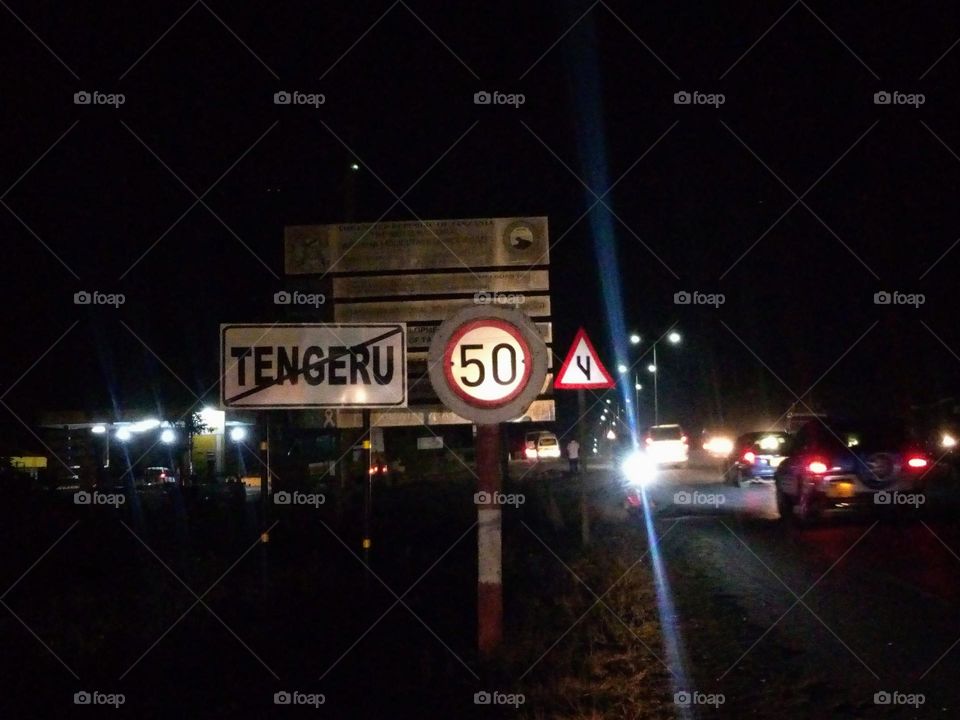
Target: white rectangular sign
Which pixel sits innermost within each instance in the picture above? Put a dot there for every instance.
(313, 365)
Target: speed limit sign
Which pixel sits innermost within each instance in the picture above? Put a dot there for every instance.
(488, 364)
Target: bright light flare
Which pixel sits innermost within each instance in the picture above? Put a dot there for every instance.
(238, 434)
(719, 446)
(168, 436)
(948, 441)
(123, 434)
(639, 469)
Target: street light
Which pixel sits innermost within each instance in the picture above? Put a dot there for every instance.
(238, 434)
(672, 337)
(621, 369)
(168, 436)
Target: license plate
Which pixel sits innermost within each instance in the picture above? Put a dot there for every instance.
(841, 489)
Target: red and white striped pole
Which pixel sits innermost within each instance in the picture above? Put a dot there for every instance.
(489, 568)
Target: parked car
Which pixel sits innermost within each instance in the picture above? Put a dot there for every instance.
(755, 458)
(835, 465)
(541, 444)
(666, 444)
(158, 475)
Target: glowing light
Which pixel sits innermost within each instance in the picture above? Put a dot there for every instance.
(621, 369)
(123, 434)
(651, 368)
(634, 339)
(214, 419)
(638, 386)
(639, 469)
(145, 425)
(168, 436)
(948, 441)
(611, 435)
(98, 429)
(719, 446)
(238, 434)
(770, 442)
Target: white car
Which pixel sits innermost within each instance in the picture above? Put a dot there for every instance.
(541, 445)
(667, 445)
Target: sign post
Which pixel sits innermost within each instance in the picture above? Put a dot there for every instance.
(487, 365)
(582, 371)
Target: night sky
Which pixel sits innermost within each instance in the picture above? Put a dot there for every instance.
(109, 190)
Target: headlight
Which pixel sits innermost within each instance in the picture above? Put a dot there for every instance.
(638, 469)
(719, 446)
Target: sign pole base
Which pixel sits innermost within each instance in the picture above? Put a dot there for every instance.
(489, 557)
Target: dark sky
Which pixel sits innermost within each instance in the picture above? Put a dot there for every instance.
(399, 81)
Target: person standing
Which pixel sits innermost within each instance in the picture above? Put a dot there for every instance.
(573, 455)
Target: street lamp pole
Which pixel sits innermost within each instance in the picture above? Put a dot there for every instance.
(656, 394)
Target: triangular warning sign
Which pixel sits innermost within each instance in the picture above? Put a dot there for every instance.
(582, 370)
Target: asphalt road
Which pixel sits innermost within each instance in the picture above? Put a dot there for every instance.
(785, 622)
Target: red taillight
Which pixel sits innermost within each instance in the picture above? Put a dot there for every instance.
(749, 457)
(531, 453)
(649, 440)
(917, 462)
(683, 439)
(817, 467)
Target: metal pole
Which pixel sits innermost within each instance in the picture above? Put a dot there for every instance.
(636, 398)
(489, 568)
(656, 393)
(263, 426)
(582, 435)
(368, 490)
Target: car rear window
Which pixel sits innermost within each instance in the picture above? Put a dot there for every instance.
(665, 433)
(548, 441)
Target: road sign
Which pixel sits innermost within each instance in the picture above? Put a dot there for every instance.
(416, 245)
(312, 365)
(582, 369)
(487, 364)
(420, 273)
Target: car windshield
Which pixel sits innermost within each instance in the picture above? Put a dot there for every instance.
(764, 442)
(665, 432)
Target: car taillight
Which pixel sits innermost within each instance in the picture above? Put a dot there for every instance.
(649, 440)
(531, 453)
(917, 462)
(749, 457)
(683, 439)
(817, 467)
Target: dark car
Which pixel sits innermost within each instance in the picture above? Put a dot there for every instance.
(755, 457)
(835, 465)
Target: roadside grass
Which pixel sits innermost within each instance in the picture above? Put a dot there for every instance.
(579, 657)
